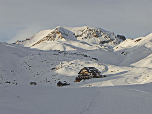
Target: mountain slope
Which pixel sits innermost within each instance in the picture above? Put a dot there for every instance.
(91, 37)
(135, 50)
(20, 65)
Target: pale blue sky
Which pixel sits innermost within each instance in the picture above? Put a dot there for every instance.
(20, 19)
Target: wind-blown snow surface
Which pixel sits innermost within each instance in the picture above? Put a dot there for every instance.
(125, 89)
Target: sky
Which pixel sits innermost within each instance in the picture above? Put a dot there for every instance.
(21, 19)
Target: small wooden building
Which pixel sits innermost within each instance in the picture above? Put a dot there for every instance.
(87, 73)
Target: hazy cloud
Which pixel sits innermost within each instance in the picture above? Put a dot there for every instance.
(21, 19)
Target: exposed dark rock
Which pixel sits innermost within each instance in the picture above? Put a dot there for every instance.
(33, 83)
(95, 59)
(121, 37)
(137, 40)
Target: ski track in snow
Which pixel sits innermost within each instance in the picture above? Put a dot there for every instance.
(87, 107)
(138, 91)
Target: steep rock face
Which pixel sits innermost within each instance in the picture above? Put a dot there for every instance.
(52, 36)
(121, 37)
(90, 35)
(96, 35)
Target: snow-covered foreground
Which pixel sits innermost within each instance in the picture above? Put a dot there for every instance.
(125, 89)
(99, 100)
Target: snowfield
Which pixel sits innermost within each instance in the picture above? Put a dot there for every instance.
(126, 89)
(98, 100)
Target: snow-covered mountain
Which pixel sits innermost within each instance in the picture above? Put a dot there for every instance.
(48, 67)
(127, 85)
(137, 51)
(66, 38)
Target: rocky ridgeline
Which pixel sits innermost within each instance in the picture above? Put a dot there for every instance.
(84, 34)
(98, 33)
(92, 33)
(54, 35)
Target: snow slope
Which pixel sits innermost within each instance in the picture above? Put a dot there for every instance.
(136, 51)
(21, 65)
(125, 89)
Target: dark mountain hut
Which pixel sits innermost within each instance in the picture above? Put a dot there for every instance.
(87, 73)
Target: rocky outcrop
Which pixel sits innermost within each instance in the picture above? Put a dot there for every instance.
(54, 35)
(121, 37)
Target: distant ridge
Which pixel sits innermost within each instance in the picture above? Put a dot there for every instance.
(62, 35)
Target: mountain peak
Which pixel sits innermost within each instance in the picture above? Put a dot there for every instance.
(90, 35)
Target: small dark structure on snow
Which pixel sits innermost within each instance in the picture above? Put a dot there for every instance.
(60, 84)
(87, 73)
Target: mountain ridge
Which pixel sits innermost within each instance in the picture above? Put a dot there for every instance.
(90, 35)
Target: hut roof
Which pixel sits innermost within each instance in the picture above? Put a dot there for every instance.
(90, 70)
